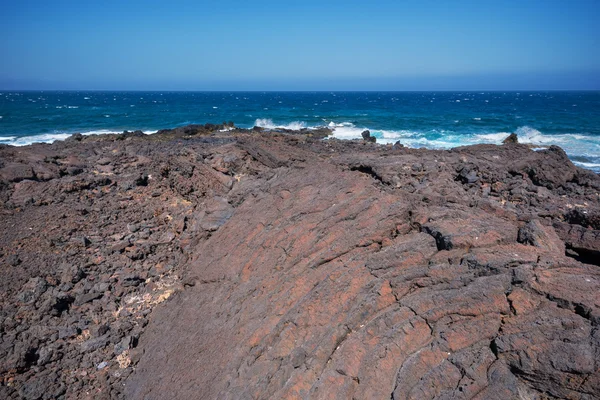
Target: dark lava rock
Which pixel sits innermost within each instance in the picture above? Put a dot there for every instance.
(86, 298)
(468, 174)
(68, 332)
(13, 260)
(366, 135)
(512, 138)
(76, 137)
(95, 343)
(398, 145)
(128, 134)
(16, 172)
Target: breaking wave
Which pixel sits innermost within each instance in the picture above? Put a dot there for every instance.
(53, 137)
(584, 150)
(269, 124)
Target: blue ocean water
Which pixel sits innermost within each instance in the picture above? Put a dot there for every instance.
(417, 119)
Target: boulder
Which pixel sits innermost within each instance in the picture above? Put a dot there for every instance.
(366, 135)
(512, 138)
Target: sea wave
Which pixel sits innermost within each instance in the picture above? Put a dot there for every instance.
(26, 140)
(53, 137)
(593, 166)
(269, 124)
(576, 145)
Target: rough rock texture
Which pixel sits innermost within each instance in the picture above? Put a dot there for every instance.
(512, 138)
(257, 264)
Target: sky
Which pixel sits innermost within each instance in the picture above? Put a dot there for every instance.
(300, 45)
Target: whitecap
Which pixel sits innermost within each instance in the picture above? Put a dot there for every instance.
(45, 138)
(477, 119)
(53, 137)
(269, 124)
(586, 164)
(496, 138)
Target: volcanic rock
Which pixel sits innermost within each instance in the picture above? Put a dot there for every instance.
(512, 138)
(269, 264)
(366, 135)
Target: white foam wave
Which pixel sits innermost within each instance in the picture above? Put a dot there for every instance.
(45, 138)
(496, 138)
(587, 165)
(53, 137)
(345, 130)
(269, 124)
(574, 144)
(532, 136)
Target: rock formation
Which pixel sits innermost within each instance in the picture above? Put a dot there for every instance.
(255, 265)
(366, 135)
(512, 138)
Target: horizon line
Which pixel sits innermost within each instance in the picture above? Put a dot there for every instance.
(301, 91)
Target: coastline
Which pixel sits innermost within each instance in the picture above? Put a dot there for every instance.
(436, 120)
(245, 253)
(325, 131)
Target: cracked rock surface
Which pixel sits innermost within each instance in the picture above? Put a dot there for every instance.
(258, 265)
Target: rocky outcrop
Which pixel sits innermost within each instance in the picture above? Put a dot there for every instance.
(366, 135)
(512, 138)
(248, 264)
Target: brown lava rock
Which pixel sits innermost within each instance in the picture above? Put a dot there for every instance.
(205, 263)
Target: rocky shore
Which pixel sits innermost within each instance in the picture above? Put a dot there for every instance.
(216, 263)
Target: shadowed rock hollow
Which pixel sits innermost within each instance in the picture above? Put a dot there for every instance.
(340, 270)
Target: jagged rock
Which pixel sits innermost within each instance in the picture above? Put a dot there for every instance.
(32, 290)
(270, 264)
(88, 297)
(13, 260)
(366, 135)
(95, 343)
(512, 138)
(535, 234)
(16, 172)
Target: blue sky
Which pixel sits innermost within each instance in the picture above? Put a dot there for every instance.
(300, 45)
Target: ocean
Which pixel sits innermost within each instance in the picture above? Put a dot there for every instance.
(439, 120)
